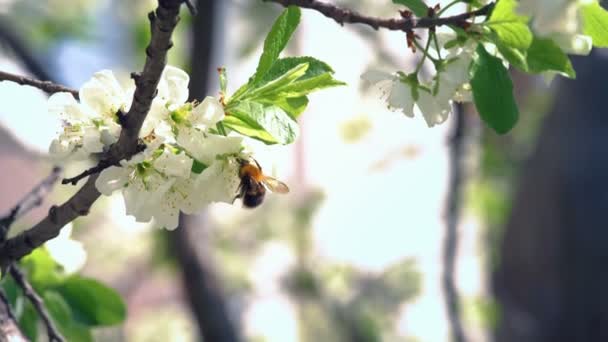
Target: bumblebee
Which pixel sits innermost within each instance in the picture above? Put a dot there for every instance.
(254, 183)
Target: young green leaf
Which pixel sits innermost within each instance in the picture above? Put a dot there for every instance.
(493, 92)
(42, 270)
(249, 129)
(545, 55)
(283, 65)
(275, 85)
(277, 39)
(269, 118)
(419, 8)
(293, 106)
(512, 29)
(304, 87)
(92, 302)
(595, 23)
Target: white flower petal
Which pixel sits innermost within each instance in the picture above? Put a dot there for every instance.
(401, 97)
(91, 140)
(65, 106)
(433, 111)
(60, 149)
(206, 147)
(207, 113)
(178, 165)
(375, 76)
(111, 179)
(219, 182)
(158, 113)
(173, 86)
(103, 94)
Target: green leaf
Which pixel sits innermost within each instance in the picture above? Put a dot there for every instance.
(307, 86)
(41, 269)
(62, 315)
(493, 92)
(595, 23)
(28, 321)
(249, 129)
(93, 303)
(283, 65)
(512, 29)
(419, 8)
(277, 39)
(269, 118)
(545, 55)
(275, 85)
(293, 106)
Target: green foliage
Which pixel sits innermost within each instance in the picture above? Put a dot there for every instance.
(93, 303)
(266, 108)
(277, 39)
(545, 55)
(517, 44)
(419, 8)
(511, 28)
(493, 92)
(76, 304)
(595, 23)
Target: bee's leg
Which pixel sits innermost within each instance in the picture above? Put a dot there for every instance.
(258, 164)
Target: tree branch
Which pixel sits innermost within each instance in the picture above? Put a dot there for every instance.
(46, 86)
(346, 16)
(33, 199)
(450, 245)
(9, 329)
(162, 22)
(37, 302)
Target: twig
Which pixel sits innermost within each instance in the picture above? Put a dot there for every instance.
(342, 16)
(102, 165)
(9, 329)
(46, 86)
(450, 247)
(30, 201)
(37, 302)
(162, 22)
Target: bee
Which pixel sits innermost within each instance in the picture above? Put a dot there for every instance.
(254, 184)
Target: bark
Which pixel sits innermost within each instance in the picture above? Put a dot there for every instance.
(202, 288)
(9, 329)
(551, 278)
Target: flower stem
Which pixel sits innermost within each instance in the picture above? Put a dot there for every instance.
(448, 7)
(425, 54)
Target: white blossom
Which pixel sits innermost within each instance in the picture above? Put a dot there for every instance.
(433, 99)
(559, 20)
(398, 94)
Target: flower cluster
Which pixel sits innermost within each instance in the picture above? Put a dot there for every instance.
(433, 99)
(186, 164)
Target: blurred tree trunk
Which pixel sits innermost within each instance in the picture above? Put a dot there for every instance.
(189, 241)
(552, 278)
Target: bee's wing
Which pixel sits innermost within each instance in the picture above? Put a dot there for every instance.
(275, 185)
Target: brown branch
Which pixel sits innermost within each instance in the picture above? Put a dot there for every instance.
(37, 303)
(9, 328)
(46, 86)
(346, 16)
(30, 201)
(162, 22)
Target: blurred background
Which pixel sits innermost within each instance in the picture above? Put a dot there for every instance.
(392, 231)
